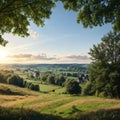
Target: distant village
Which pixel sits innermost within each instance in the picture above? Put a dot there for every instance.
(81, 78)
(34, 73)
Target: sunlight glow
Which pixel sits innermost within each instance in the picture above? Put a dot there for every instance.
(3, 56)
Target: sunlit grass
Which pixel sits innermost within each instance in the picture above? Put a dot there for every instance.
(54, 103)
(86, 107)
(14, 90)
(48, 88)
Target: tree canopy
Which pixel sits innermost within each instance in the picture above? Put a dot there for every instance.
(95, 12)
(15, 15)
(72, 87)
(104, 72)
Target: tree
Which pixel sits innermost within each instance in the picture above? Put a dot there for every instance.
(15, 15)
(59, 80)
(15, 80)
(51, 79)
(87, 89)
(72, 87)
(43, 77)
(95, 12)
(104, 72)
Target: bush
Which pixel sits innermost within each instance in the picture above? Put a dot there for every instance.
(27, 84)
(15, 80)
(34, 87)
(2, 78)
(72, 87)
(88, 89)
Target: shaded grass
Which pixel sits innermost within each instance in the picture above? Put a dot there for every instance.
(28, 114)
(102, 114)
(24, 114)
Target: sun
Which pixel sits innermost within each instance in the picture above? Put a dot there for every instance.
(3, 55)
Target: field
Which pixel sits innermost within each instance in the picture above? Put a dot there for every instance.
(54, 103)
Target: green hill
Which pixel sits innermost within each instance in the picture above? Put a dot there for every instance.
(6, 89)
(21, 103)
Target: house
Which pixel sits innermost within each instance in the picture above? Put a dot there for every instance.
(83, 78)
(35, 74)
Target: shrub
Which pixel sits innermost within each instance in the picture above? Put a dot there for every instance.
(27, 84)
(34, 87)
(2, 78)
(15, 80)
(88, 89)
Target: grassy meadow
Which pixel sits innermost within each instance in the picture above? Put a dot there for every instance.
(52, 104)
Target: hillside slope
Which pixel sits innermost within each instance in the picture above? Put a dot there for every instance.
(54, 104)
(6, 89)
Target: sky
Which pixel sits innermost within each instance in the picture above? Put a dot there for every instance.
(61, 40)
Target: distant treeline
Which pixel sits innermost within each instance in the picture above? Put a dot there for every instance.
(66, 80)
(61, 67)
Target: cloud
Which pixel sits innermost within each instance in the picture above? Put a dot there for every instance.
(30, 57)
(75, 59)
(78, 57)
(44, 58)
(33, 34)
(21, 56)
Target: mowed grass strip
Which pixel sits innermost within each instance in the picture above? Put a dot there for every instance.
(37, 100)
(52, 108)
(17, 100)
(8, 98)
(85, 106)
(43, 104)
(88, 99)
